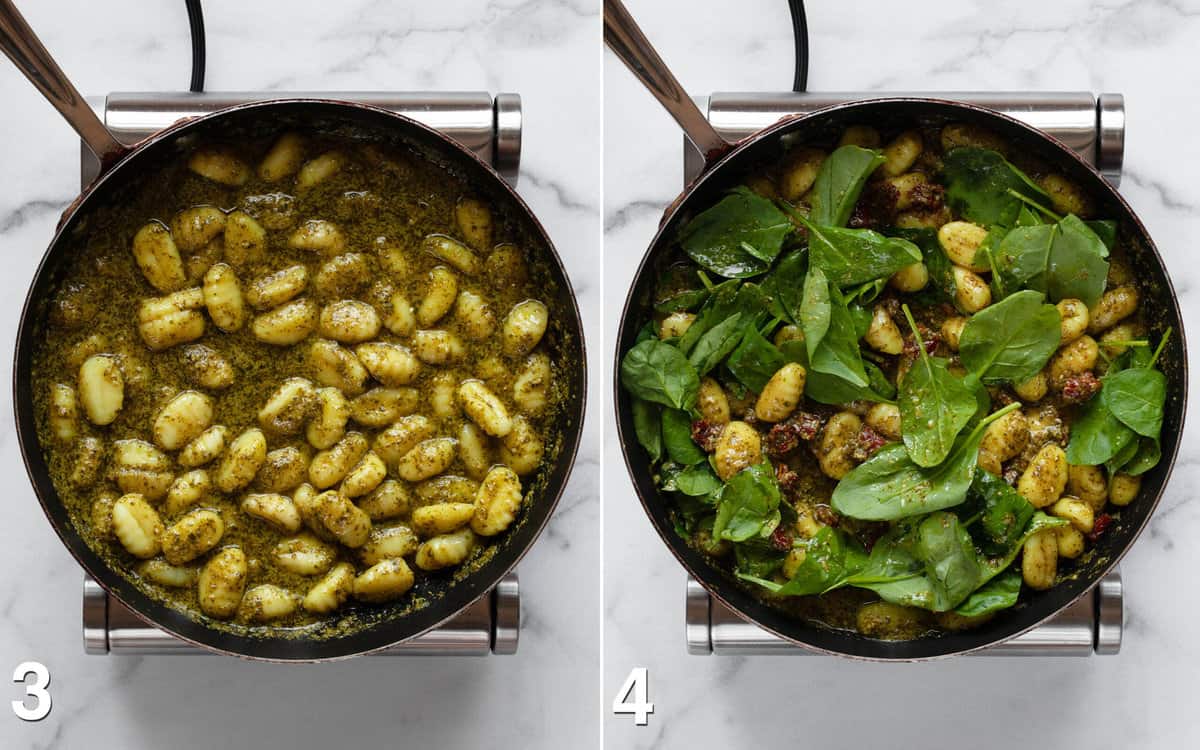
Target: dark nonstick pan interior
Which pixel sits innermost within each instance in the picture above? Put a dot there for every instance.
(1159, 303)
(369, 628)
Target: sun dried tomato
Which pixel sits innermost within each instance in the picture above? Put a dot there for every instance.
(705, 434)
(781, 539)
(1099, 526)
(867, 443)
(1080, 388)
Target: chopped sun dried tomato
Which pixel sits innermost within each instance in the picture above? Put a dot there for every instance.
(1080, 388)
(781, 539)
(1099, 526)
(705, 434)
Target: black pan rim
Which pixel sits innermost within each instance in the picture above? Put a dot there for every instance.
(718, 587)
(458, 597)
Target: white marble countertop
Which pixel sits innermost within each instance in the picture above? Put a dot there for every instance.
(546, 696)
(1143, 697)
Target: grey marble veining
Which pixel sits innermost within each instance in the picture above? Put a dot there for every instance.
(544, 696)
(1143, 697)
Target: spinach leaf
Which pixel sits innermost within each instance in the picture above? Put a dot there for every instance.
(1097, 436)
(995, 595)
(697, 480)
(1011, 340)
(1146, 457)
(728, 298)
(755, 360)
(1027, 217)
(815, 309)
(738, 237)
(1077, 268)
(934, 404)
(647, 425)
(677, 437)
(749, 504)
(659, 372)
(980, 186)
(829, 556)
(1136, 397)
(888, 485)
(789, 282)
(1020, 259)
(756, 559)
(839, 182)
(854, 256)
(689, 299)
(941, 270)
(716, 344)
(948, 553)
(1124, 456)
(1106, 230)
(838, 354)
(879, 387)
(1003, 512)
(830, 389)
(990, 567)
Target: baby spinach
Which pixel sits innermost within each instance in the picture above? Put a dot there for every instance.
(839, 182)
(1011, 340)
(748, 505)
(1076, 268)
(1145, 458)
(1097, 435)
(728, 298)
(951, 566)
(889, 485)
(688, 299)
(1019, 260)
(738, 237)
(997, 594)
(1136, 397)
(755, 360)
(854, 256)
(983, 187)
(994, 565)
(789, 282)
(677, 438)
(1106, 230)
(828, 557)
(1003, 513)
(838, 354)
(815, 309)
(756, 558)
(934, 404)
(659, 372)
(647, 425)
(716, 343)
(697, 480)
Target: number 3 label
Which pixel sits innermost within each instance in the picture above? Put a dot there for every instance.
(36, 690)
(637, 686)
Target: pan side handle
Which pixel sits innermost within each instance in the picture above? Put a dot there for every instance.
(626, 40)
(29, 55)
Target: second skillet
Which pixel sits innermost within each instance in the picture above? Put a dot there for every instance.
(726, 164)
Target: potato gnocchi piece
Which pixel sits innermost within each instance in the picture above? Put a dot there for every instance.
(380, 407)
(961, 241)
(289, 407)
(447, 488)
(1002, 440)
(223, 298)
(304, 555)
(389, 500)
(901, 153)
(427, 458)
(484, 408)
(393, 260)
(497, 502)
(531, 387)
(157, 256)
(139, 467)
(474, 220)
(288, 324)
(88, 459)
(437, 347)
(524, 327)
(165, 574)
(737, 447)
(400, 318)
(332, 591)
(384, 581)
(335, 366)
(222, 582)
(1123, 489)
(319, 236)
(441, 518)
(781, 395)
(475, 317)
(101, 389)
(64, 415)
(193, 228)
(884, 419)
(182, 420)
(349, 321)
(137, 526)
(1045, 478)
(207, 367)
(315, 171)
(245, 239)
(164, 322)
(307, 499)
(1088, 484)
(348, 523)
(342, 276)
(506, 267)
(522, 448)
(453, 252)
(440, 294)
(474, 449)
(219, 165)
(285, 469)
(1039, 560)
(283, 159)
(329, 466)
(266, 602)
(800, 167)
(388, 542)
(245, 457)
(276, 288)
(835, 446)
(1075, 358)
(403, 436)
(192, 536)
(446, 550)
(391, 364)
(365, 476)
(443, 395)
(101, 516)
(277, 510)
(1113, 306)
(187, 490)
(204, 448)
(328, 424)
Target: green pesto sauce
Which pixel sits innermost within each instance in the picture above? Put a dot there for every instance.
(379, 197)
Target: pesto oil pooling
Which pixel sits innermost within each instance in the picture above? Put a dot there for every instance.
(890, 386)
(293, 375)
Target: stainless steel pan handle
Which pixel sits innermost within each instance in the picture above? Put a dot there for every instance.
(29, 55)
(626, 40)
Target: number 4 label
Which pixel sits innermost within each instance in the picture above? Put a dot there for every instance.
(637, 685)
